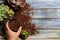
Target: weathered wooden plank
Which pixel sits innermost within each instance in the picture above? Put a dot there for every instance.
(43, 35)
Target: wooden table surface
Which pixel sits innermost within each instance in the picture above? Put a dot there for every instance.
(43, 35)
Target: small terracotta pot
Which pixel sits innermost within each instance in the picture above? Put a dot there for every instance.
(25, 33)
(14, 25)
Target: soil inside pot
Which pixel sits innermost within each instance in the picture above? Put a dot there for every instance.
(14, 25)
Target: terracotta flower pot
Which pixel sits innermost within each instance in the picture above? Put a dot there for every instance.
(25, 33)
(14, 25)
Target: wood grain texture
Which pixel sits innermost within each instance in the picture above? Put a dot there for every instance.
(43, 35)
